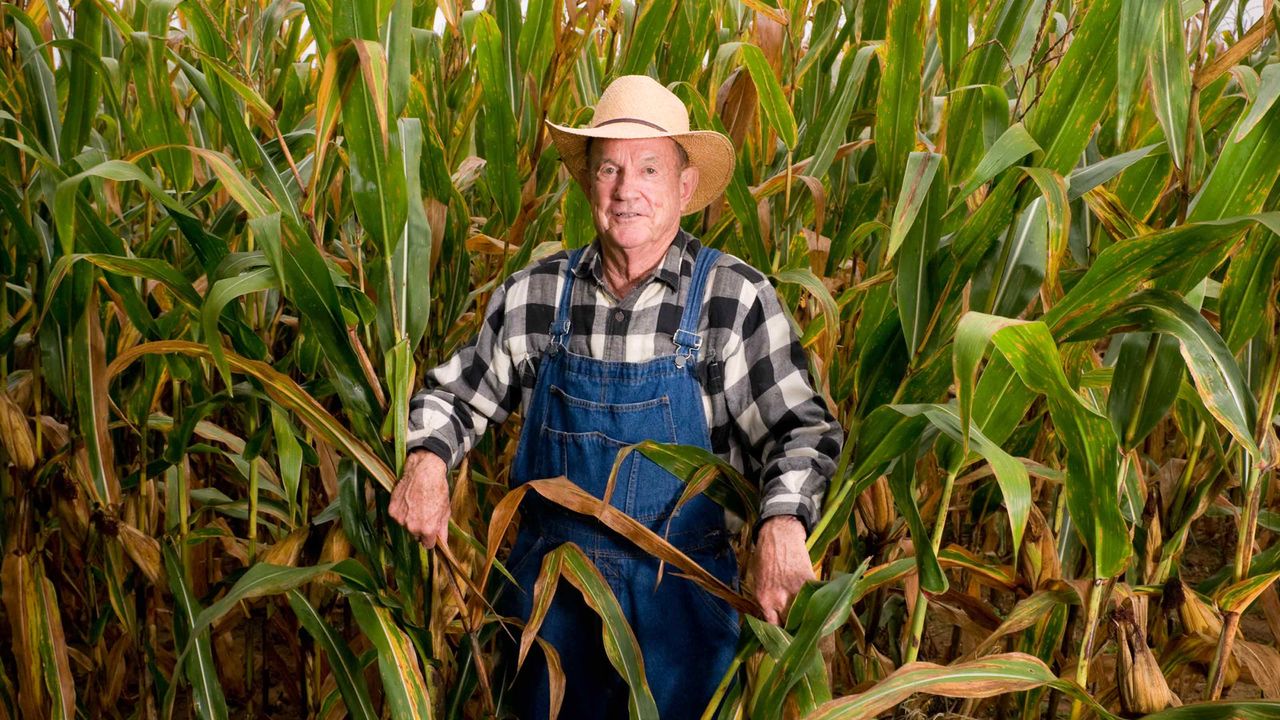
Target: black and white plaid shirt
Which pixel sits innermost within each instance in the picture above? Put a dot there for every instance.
(764, 416)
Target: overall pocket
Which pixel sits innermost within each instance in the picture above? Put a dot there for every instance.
(581, 438)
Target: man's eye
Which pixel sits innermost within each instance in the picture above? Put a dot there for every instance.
(607, 171)
(651, 171)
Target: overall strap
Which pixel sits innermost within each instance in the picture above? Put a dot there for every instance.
(560, 326)
(687, 339)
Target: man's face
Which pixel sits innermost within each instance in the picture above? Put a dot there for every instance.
(638, 189)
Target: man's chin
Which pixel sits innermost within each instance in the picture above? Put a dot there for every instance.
(628, 238)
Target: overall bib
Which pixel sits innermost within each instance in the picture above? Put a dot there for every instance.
(581, 413)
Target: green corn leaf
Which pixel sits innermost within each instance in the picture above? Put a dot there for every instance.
(1171, 79)
(1268, 93)
(281, 389)
(1005, 287)
(88, 350)
(1000, 400)
(499, 120)
(1011, 475)
(901, 484)
(1238, 597)
(834, 126)
(920, 169)
(1246, 290)
(977, 92)
(353, 20)
(161, 126)
(399, 55)
(402, 679)
(1243, 175)
(1077, 92)
(918, 245)
(1126, 408)
(1058, 214)
(309, 285)
(830, 311)
(118, 170)
(1028, 612)
(220, 294)
(261, 579)
(1093, 455)
(812, 689)
(1179, 252)
(647, 34)
(884, 436)
(1015, 144)
(953, 36)
(41, 87)
(773, 104)
(201, 671)
(728, 488)
(290, 454)
(347, 672)
(1091, 176)
(901, 64)
(235, 183)
(813, 616)
(1133, 46)
(992, 675)
(377, 173)
(149, 268)
(400, 370)
(1217, 376)
(405, 311)
(537, 40)
(85, 81)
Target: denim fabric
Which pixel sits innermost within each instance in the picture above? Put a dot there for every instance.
(582, 412)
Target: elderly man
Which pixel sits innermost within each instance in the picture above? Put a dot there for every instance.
(643, 335)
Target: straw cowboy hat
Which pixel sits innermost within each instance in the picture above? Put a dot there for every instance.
(637, 106)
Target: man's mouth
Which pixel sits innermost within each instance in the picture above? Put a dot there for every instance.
(625, 215)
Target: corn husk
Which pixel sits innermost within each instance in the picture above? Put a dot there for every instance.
(15, 433)
(1143, 688)
(1196, 615)
(875, 506)
(1039, 561)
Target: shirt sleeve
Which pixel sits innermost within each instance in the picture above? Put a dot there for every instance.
(475, 387)
(785, 423)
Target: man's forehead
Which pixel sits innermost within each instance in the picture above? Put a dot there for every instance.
(641, 148)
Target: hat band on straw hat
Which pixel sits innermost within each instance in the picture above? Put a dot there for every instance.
(637, 121)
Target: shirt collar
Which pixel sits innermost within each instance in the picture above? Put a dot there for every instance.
(679, 257)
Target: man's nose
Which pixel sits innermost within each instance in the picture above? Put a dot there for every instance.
(625, 185)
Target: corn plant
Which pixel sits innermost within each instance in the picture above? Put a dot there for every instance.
(1029, 245)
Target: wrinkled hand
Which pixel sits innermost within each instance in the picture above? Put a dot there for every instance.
(420, 501)
(781, 565)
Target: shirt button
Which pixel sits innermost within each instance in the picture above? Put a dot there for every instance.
(618, 316)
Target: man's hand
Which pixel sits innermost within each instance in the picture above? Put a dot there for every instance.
(420, 501)
(781, 565)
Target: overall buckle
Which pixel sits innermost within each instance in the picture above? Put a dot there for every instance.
(687, 345)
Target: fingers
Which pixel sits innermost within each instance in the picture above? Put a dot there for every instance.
(773, 603)
(420, 501)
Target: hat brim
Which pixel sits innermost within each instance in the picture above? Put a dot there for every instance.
(709, 151)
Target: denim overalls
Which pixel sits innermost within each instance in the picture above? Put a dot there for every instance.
(581, 413)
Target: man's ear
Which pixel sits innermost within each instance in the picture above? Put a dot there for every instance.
(688, 184)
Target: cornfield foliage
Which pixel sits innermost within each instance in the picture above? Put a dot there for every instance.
(1030, 245)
